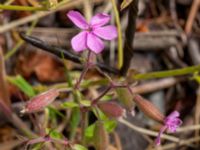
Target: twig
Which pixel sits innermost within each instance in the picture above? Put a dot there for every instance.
(193, 11)
(164, 74)
(188, 128)
(4, 95)
(63, 5)
(148, 132)
(174, 145)
(155, 40)
(21, 8)
(156, 85)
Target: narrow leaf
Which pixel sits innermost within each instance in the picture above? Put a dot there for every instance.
(22, 84)
(69, 104)
(125, 4)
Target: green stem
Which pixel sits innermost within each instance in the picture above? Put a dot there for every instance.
(120, 46)
(164, 74)
(21, 8)
(84, 125)
(20, 42)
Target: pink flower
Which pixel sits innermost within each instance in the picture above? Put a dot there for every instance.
(89, 38)
(172, 122)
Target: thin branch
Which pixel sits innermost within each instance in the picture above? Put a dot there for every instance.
(21, 8)
(170, 73)
(148, 132)
(193, 11)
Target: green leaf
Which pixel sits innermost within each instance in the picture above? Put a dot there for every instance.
(79, 147)
(107, 98)
(110, 125)
(55, 134)
(69, 104)
(86, 103)
(89, 131)
(99, 114)
(54, 112)
(37, 146)
(22, 84)
(74, 121)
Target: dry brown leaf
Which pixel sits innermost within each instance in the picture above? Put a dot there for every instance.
(46, 67)
(6, 134)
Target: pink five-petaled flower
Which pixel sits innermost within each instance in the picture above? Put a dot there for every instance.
(171, 123)
(89, 38)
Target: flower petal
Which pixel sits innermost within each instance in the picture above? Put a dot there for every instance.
(99, 19)
(174, 114)
(79, 41)
(107, 32)
(94, 43)
(77, 19)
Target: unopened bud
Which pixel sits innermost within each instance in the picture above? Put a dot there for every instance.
(101, 139)
(111, 109)
(126, 98)
(40, 101)
(148, 108)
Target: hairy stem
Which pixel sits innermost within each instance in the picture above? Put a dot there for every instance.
(21, 8)
(164, 74)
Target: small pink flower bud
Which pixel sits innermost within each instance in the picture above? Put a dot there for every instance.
(111, 109)
(148, 108)
(40, 101)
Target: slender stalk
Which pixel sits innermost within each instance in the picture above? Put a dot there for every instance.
(164, 74)
(119, 31)
(21, 8)
(148, 132)
(85, 70)
(102, 94)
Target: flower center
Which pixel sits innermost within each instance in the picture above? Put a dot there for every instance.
(90, 29)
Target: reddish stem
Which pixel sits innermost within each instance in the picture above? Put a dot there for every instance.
(85, 70)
